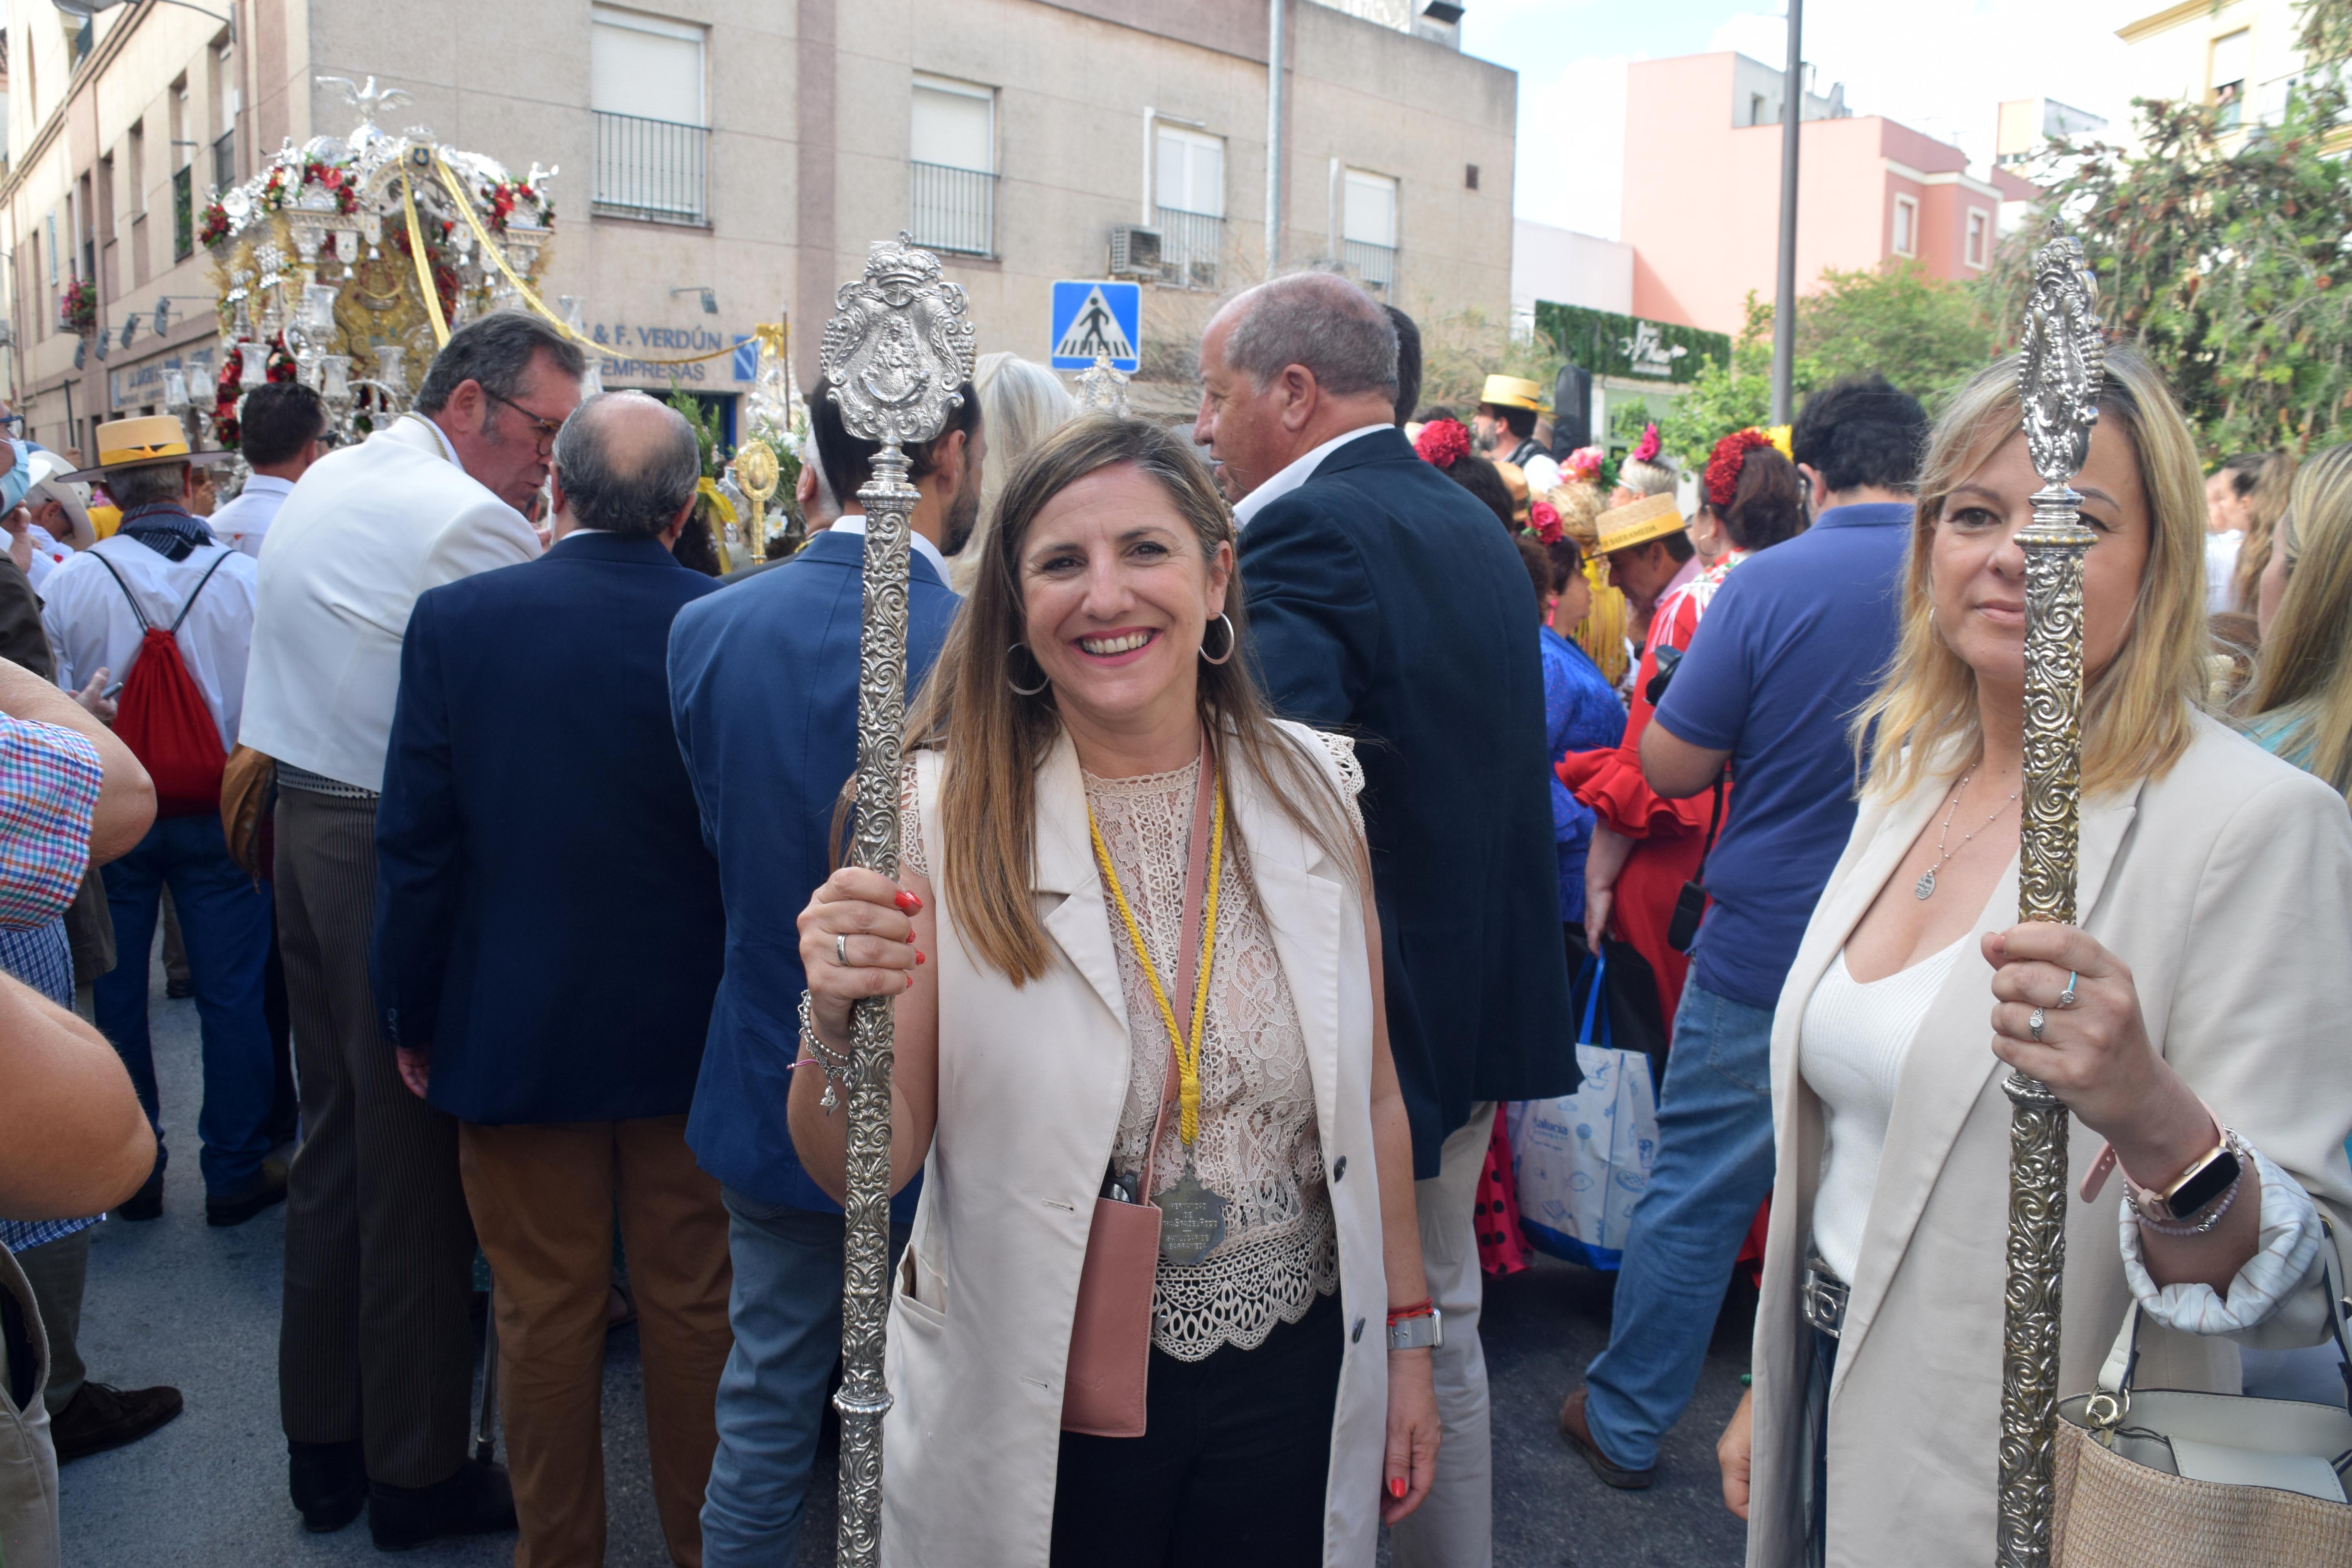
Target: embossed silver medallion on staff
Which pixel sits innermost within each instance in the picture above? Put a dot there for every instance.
(2058, 373)
(897, 353)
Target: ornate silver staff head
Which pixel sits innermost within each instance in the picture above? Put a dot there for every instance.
(2060, 360)
(1103, 389)
(898, 348)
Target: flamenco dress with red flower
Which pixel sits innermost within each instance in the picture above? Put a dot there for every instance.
(1670, 836)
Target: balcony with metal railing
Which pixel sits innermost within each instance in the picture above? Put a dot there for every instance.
(952, 209)
(654, 170)
(1375, 266)
(1192, 246)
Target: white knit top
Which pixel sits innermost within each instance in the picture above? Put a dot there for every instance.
(1850, 1048)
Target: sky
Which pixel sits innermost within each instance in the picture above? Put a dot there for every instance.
(1940, 68)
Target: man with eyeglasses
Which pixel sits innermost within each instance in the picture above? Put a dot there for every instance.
(375, 1348)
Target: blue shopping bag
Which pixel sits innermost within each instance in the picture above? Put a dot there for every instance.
(1582, 1160)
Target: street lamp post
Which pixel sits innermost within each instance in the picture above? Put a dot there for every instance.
(1784, 298)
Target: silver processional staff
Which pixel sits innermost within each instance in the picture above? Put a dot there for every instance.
(897, 353)
(2059, 370)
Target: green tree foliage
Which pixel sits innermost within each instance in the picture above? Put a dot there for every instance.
(2224, 253)
(1925, 335)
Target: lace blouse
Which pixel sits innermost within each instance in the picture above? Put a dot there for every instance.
(1258, 1146)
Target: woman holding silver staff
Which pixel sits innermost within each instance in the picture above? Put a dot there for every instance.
(1140, 982)
(2193, 1021)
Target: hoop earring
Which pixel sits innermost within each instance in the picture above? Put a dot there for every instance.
(1232, 638)
(1019, 690)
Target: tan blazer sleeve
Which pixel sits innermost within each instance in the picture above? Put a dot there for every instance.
(2262, 1002)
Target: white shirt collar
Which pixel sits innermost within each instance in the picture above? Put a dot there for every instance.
(854, 523)
(266, 483)
(1295, 475)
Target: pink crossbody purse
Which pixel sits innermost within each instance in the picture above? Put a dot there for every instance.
(1110, 1338)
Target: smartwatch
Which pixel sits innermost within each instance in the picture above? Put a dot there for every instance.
(2206, 1180)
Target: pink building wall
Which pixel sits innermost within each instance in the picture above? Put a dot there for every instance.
(1702, 197)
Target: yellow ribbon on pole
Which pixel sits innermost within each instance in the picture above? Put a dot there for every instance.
(423, 268)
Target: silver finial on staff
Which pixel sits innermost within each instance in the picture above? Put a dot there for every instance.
(2059, 371)
(897, 353)
(1102, 389)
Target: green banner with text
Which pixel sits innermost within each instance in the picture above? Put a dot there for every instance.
(1629, 346)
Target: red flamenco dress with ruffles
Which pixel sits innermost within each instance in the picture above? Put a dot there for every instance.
(1670, 836)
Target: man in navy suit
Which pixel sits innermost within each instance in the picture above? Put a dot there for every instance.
(763, 691)
(1384, 603)
(548, 940)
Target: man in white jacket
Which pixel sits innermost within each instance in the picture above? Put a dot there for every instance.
(375, 1349)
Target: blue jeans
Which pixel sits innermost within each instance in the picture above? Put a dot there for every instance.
(785, 1309)
(224, 920)
(1714, 1167)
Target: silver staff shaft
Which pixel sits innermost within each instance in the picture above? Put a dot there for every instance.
(897, 355)
(2059, 377)
(864, 1398)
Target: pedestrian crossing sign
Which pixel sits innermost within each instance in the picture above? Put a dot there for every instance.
(1094, 319)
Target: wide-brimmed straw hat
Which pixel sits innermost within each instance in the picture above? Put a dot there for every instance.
(48, 483)
(143, 443)
(1638, 522)
(1511, 392)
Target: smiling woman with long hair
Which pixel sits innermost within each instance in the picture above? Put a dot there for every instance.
(1097, 806)
(2192, 1020)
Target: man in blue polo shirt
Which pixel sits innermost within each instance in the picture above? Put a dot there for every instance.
(1793, 643)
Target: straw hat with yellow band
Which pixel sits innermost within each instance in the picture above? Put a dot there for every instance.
(1602, 633)
(143, 443)
(1515, 480)
(1638, 522)
(1511, 392)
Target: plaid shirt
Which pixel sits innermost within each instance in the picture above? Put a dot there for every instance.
(50, 780)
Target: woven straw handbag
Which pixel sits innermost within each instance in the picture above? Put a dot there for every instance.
(2162, 1477)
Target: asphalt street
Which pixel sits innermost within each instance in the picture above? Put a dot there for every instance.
(174, 1301)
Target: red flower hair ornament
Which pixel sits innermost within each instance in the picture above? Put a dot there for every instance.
(1723, 468)
(1647, 452)
(1543, 521)
(1444, 442)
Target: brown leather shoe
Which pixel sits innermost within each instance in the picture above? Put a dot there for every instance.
(1579, 1433)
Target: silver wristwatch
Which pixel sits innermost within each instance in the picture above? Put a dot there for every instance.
(1420, 1332)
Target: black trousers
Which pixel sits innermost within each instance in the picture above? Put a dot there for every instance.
(1232, 1467)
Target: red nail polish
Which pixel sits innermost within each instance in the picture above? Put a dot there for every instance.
(911, 983)
(1396, 1486)
(907, 903)
(919, 956)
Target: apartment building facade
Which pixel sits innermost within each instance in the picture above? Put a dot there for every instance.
(719, 164)
(1703, 191)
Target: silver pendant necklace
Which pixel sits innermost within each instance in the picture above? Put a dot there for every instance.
(1925, 887)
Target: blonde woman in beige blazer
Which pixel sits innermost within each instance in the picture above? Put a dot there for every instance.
(1059, 787)
(2210, 970)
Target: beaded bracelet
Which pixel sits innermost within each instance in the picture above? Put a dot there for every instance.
(835, 1065)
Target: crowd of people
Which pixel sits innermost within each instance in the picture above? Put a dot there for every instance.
(1276, 793)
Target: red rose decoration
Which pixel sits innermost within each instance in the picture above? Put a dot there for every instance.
(1647, 452)
(1543, 521)
(1444, 442)
(1723, 468)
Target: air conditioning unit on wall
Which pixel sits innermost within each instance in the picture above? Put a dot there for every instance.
(1134, 251)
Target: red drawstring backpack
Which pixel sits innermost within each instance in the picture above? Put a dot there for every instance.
(162, 715)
